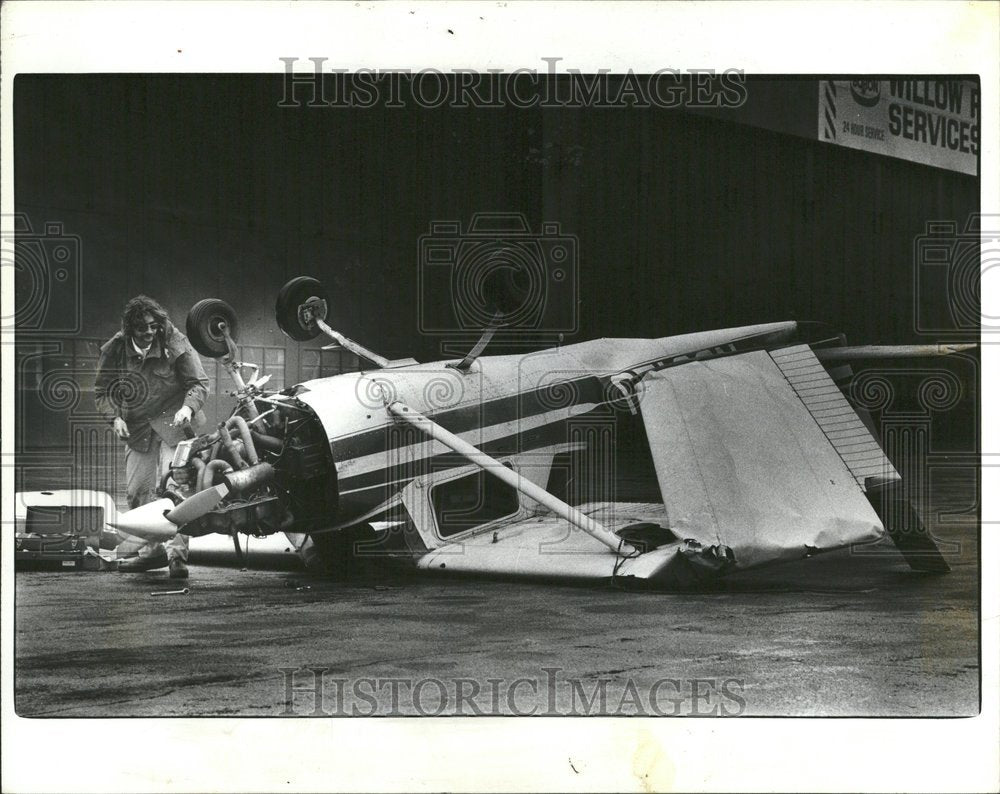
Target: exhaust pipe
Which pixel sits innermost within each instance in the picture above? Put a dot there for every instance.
(270, 443)
(230, 447)
(247, 479)
(244, 430)
(206, 477)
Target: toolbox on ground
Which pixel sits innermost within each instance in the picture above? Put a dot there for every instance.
(63, 529)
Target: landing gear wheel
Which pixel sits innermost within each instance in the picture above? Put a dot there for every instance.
(335, 553)
(286, 310)
(204, 326)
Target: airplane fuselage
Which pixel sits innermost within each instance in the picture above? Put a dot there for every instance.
(503, 405)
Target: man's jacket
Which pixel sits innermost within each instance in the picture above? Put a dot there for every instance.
(147, 392)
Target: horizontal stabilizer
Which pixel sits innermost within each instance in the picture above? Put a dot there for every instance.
(874, 352)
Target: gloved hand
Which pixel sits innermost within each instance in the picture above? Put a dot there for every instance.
(183, 416)
(121, 429)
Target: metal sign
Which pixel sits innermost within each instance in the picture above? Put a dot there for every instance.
(935, 122)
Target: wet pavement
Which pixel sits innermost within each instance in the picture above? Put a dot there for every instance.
(846, 634)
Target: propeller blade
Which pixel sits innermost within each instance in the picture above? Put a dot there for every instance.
(147, 521)
(194, 507)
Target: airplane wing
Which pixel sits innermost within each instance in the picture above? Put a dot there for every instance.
(761, 453)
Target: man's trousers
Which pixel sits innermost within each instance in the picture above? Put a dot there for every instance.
(143, 471)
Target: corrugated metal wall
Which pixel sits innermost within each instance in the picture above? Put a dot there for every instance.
(192, 187)
(711, 224)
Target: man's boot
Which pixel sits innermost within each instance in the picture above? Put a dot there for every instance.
(178, 569)
(158, 559)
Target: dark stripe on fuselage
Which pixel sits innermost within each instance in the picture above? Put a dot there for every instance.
(515, 443)
(374, 488)
(561, 395)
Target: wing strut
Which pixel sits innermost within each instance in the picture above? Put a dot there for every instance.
(501, 472)
(349, 344)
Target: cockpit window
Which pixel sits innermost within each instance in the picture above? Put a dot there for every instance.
(467, 502)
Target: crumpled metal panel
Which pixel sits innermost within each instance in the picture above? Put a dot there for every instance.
(742, 463)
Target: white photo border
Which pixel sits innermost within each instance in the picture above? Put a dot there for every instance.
(502, 753)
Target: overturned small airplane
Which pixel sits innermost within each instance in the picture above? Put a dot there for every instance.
(461, 466)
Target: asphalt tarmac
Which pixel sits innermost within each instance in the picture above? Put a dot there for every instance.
(847, 634)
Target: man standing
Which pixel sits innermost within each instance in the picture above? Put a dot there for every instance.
(150, 384)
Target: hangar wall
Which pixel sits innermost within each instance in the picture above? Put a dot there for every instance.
(187, 187)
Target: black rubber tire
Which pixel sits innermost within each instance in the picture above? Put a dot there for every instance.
(203, 326)
(286, 308)
(333, 553)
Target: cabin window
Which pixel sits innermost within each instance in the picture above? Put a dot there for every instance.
(467, 502)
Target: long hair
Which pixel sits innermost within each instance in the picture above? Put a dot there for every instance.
(137, 307)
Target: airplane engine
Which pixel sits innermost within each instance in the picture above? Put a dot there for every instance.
(271, 453)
